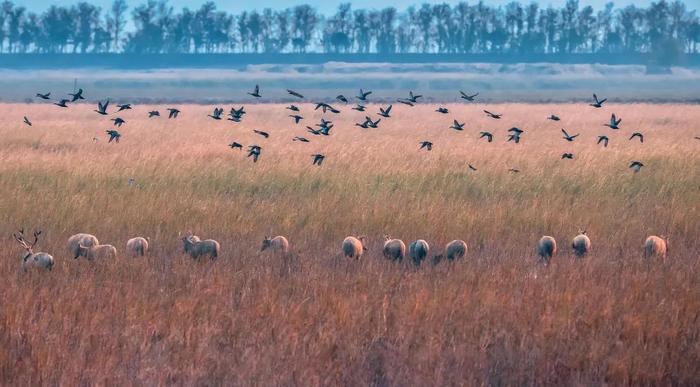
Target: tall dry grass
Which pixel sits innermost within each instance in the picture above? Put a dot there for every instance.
(316, 319)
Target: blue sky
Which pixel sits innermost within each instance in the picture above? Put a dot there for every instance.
(328, 6)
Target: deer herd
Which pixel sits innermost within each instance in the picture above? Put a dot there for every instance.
(88, 247)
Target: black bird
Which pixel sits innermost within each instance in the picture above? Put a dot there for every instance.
(604, 140)
(614, 122)
(324, 106)
(363, 95)
(294, 93)
(260, 132)
(26, 121)
(102, 108)
(442, 110)
(639, 135)
(363, 125)
(636, 166)
(457, 126)
(297, 118)
(413, 98)
(515, 134)
(468, 97)
(256, 92)
(113, 135)
(313, 131)
(173, 112)
(405, 102)
(359, 108)
(473, 168)
(44, 96)
(569, 156)
(78, 95)
(118, 121)
(254, 150)
(385, 112)
(301, 139)
(293, 108)
(217, 113)
(235, 145)
(426, 144)
(553, 118)
(598, 103)
(153, 113)
(488, 135)
(569, 137)
(62, 103)
(236, 115)
(341, 98)
(318, 159)
(372, 124)
(495, 116)
(326, 130)
(126, 106)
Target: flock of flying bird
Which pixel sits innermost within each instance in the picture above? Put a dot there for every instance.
(323, 128)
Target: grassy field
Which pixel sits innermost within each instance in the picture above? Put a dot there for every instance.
(314, 318)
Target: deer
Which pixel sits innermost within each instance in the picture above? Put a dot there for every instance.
(31, 258)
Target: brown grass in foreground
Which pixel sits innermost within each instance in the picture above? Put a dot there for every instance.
(316, 319)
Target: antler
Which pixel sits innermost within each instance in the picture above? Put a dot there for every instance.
(20, 238)
(36, 237)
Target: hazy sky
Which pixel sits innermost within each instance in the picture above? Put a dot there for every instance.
(328, 6)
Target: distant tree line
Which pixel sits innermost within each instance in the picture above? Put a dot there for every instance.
(515, 29)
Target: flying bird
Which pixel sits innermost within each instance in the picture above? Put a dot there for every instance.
(26, 121)
(318, 159)
(76, 96)
(569, 137)
(553, 118)
(638, 135)
(385, 112)
(256, 92)
(102, 108)
(217, 113)
(300, 139)
(597, 103)
(473, 168)
(468, 97)
(235, 145)
(442, 110)
(488, 135)
(126, 106)
(373, 124)
(254, 150)
(413, 98)
(62, 103)
(173, 112)
(495, 116)
(113, 135)
(341, 98)
(363, 95)
(118, 121)
(294, 93)
(405, 102)
(153, 113)
(293, 108)
(260, 132)
(313, 131)
(297, 118)
(324, 106)
(457, 126)
(604, 140)
(515, 134)
(569, 156)
(44, 96)
(614, 122)
(359, 108)
(636, 166)
(427, 145)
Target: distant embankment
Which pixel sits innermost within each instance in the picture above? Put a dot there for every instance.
(155, 61)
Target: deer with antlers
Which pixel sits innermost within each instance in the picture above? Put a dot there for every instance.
(31, 258)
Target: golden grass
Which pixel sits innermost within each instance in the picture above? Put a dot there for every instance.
(316, 319)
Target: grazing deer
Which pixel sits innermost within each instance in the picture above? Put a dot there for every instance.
(31, 258)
